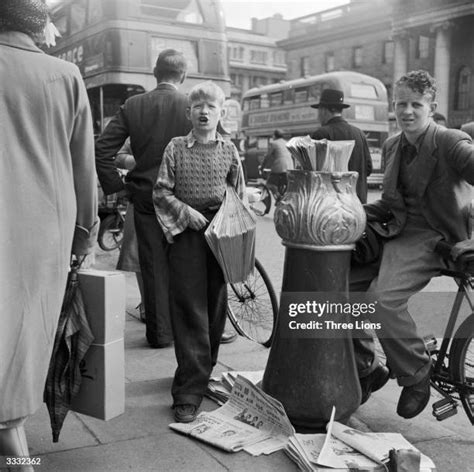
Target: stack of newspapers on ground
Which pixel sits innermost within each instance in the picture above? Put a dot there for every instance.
(231, 237)
(253, 421)
(220, 386)
(345, 448)
(250, 420)
(320, 155)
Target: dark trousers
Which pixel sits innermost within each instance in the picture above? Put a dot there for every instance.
(198, 304)
(152, 254)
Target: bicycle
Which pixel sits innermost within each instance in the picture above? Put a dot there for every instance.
(112, 217)
(262, 204)
(252, 307)
(453, 363)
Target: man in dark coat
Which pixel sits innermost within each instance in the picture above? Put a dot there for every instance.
(336, 128)
(151, 120)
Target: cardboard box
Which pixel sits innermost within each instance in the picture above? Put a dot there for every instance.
(104, 296)
(102, 392)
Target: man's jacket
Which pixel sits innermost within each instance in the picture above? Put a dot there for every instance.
(444, 169)
(151, 120)
(338, 129)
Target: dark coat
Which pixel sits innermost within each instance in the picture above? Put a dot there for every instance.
(151, 120)
(445, 172)
(338, 129)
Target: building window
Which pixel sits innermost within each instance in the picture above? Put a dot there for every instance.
(304, 66)
(387, 53)
(236, 53)
(258, 57)
(278, 58)
(423, 47)
(357, 56)
(329, 62)
(463, 89)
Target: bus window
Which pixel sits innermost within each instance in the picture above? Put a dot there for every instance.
(78, 15)
(254, 103)
(364, 112)
(264, 101)
(315, 91)
(301, 95)
(186, 11)
(95, 11)
(363, 91)
(275, 99)
(188, 48)
(288, 96)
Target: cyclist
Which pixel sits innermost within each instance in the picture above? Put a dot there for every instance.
(279, 161)
(427, 192)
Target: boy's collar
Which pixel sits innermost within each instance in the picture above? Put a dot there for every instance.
(191, 139)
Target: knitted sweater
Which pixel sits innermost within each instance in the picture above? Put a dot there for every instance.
(194, 175)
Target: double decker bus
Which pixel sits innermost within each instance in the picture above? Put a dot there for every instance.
(115, 44)
(287, 105)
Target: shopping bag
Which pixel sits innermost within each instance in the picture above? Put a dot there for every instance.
(231, 237)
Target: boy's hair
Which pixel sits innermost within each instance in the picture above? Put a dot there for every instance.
(419, 81)
(170, 65)
(207, 89)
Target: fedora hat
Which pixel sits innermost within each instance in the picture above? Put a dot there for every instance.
(27, 16)
(331, 98)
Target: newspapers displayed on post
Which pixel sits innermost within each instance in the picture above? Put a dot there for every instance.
(250, 420)
(220, 386)
(345, 448)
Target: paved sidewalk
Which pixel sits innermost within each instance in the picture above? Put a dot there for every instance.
(140, 440)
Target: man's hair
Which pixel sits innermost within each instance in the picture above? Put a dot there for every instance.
(419, 81)
(208, 90)
(278, 133)
(170, 65)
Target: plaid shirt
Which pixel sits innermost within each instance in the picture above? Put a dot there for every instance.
(194, 175)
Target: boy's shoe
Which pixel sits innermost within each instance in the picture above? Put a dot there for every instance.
(185, 413)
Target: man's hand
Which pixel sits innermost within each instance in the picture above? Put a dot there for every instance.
(461, 248)
(197, 220)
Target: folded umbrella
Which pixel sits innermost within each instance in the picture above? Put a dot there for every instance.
(72, 340)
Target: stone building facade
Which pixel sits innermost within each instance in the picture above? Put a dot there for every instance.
(386, 38)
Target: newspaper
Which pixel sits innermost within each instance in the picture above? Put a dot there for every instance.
(220, 387)
(250, 420)
(345, 448)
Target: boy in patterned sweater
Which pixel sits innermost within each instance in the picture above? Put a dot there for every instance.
(189, 190)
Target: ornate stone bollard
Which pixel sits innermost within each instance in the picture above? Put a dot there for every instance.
(319, 220)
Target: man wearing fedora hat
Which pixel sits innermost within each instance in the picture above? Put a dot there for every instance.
(336, 128)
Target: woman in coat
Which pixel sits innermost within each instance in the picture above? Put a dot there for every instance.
(49, 206)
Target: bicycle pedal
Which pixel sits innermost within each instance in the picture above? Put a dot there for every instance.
(430, 342)
(444, 408)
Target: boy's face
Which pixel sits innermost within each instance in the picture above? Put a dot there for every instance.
(205, 113)
(413, 110)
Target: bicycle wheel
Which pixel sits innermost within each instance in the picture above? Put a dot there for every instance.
(110, 232)
(252, 307)
(262, 206)
(461, 363)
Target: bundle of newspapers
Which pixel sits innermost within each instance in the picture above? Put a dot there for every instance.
(220, 386)
(345, 448)
(250, 420)
(231, 237)
(321, 155)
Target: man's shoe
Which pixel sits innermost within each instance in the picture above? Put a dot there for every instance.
(185, 413)
(414, 398)
(373, 382)
(228, 337)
